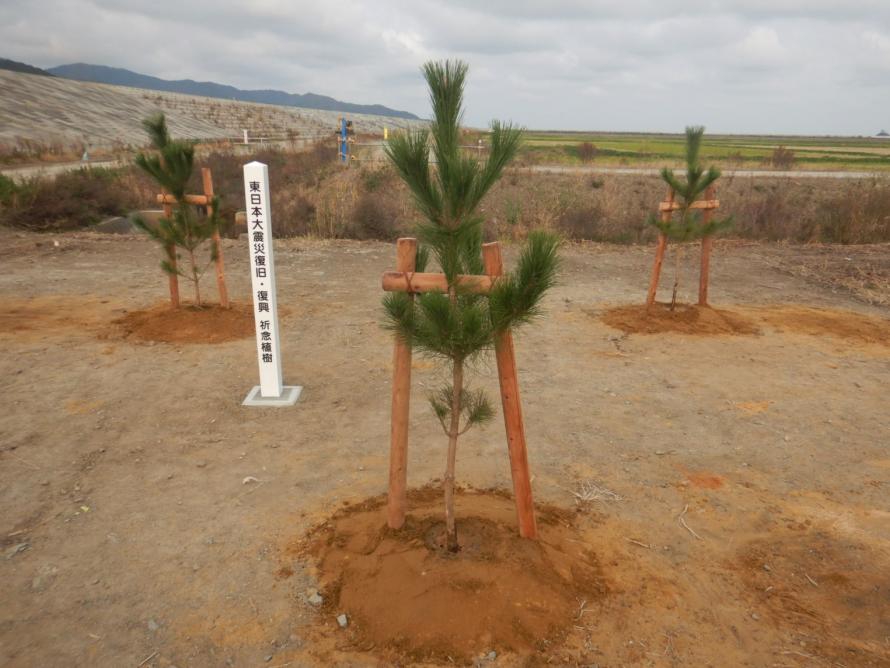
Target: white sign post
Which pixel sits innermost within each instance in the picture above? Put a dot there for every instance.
(270, 391)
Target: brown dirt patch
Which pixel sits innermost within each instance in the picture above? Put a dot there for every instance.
(37, 316)
(705, 480)
(684, 319)
(407, 599)
(831, 593)
(188, 324)
(689, 319)
(753, 407)
(819, 322)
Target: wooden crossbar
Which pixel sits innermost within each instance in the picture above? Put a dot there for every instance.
(402, 281)
(197, 200)
(700, 204)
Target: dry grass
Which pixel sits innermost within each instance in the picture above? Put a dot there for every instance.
(862, 271)
(313, 196)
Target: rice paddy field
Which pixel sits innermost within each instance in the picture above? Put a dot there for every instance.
(729, 151)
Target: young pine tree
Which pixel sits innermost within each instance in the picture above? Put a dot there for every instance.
(457, 327)
(686, 224)
(171, 167)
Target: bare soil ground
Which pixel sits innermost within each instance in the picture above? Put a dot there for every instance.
(732, 490)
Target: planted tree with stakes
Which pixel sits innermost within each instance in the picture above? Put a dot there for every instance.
(688, 224)
(458, 326)
(171, 166)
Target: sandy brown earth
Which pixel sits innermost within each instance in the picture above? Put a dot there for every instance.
(733, 489)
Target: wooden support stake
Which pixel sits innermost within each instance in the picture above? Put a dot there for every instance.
(207, 179)
(406, 256)
(506, 359)
(704, 271)
(659, 250)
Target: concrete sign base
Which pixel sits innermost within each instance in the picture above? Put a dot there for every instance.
(289, 396)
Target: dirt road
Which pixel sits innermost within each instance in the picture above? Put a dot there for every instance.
(20, 174)
(751, 173)
(147, 515)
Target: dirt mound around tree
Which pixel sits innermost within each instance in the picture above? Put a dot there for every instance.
(406, 599)
(188, 324)
(704, 320)
(684, 319)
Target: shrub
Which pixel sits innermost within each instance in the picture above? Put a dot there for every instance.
(581, 222)
(71, 200)
(586, 151)
(293, 215)
(859, 215)
(782, 158)
(7, 190)
(373, 217)
(513, 212)
(374, 179)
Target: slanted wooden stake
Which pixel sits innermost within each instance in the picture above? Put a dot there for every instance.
(659, 251)
(207, 179)
(704, 271)
(406, 256)
(509, 381)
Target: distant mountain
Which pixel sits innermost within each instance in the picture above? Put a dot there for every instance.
(16, 66)
(121, 77)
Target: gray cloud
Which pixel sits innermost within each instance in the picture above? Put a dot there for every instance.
(780, 66)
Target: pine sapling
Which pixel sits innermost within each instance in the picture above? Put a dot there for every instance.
(687, 224)
(458, 327)
(171, 167)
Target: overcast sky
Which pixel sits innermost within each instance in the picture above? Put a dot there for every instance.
(757, 66)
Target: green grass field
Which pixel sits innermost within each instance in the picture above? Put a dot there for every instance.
(727, 151)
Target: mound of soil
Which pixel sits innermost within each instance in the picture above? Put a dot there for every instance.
(819, 322)
(189, 323)
(408, 600)
(704, 320)
(685, 319)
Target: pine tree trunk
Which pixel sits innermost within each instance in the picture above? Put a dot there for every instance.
(453, 430)
(195, 277)
(679, 260)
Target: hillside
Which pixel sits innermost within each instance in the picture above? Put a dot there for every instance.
(52, 109)
(121, 77)
(16, 66)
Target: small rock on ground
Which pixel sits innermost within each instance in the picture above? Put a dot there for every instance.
(15, 549)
